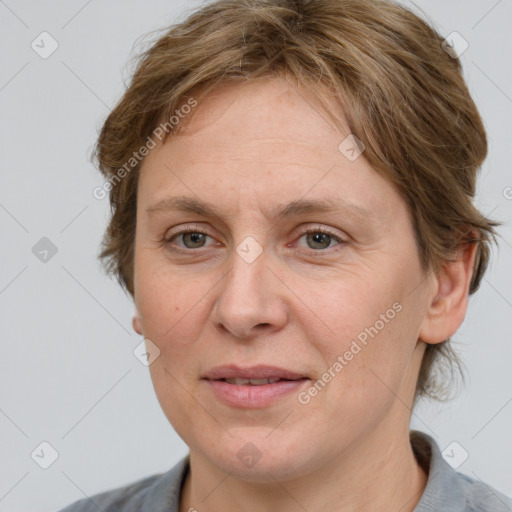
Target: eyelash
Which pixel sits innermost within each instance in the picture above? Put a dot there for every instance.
(168, 241)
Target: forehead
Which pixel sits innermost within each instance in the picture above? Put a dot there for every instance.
(263, 139)
(267, 109)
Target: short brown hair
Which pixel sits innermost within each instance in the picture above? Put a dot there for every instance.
(403, 95)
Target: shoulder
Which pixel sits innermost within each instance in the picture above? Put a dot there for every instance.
(448, 490)
(155, 493)
(126, 498)
(477, 496)
(482, 497)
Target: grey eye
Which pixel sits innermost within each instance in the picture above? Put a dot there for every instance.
(318, 240)
(196, 239)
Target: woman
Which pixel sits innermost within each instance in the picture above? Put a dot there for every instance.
(292, 188)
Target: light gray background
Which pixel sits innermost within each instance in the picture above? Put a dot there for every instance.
(68, 374)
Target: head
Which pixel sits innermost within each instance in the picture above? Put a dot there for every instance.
(233, 120)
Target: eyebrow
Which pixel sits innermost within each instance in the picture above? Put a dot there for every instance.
(294, 208)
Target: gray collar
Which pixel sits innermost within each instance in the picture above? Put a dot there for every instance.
(448, 490)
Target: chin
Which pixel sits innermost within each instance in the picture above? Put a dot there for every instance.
(254, 457)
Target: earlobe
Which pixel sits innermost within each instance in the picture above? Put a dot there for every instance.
(448, 305)
(136, 323)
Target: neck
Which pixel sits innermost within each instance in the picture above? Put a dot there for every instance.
(375, 474)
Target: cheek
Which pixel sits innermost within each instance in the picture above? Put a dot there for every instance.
(174, 397)
(365, 363)
(169, 303)
(365, 330)
(356, 309)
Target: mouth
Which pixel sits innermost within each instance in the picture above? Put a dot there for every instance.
(253, 387)
(237, 381)
(253, 375)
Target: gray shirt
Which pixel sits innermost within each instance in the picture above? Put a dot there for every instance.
(446, 490)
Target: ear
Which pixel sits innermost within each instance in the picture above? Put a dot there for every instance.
(449, 302)
(136, 323)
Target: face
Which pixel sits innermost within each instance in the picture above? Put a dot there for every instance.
(239, 273)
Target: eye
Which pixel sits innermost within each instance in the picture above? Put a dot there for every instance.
(191, 238)
(320, 239)
(317, 239)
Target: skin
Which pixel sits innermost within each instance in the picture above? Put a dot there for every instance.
(248, 149)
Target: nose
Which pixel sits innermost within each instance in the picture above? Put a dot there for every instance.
(251, 299)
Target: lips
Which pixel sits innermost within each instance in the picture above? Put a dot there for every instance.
(250, 382)
(254, 387)
(255, 375)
